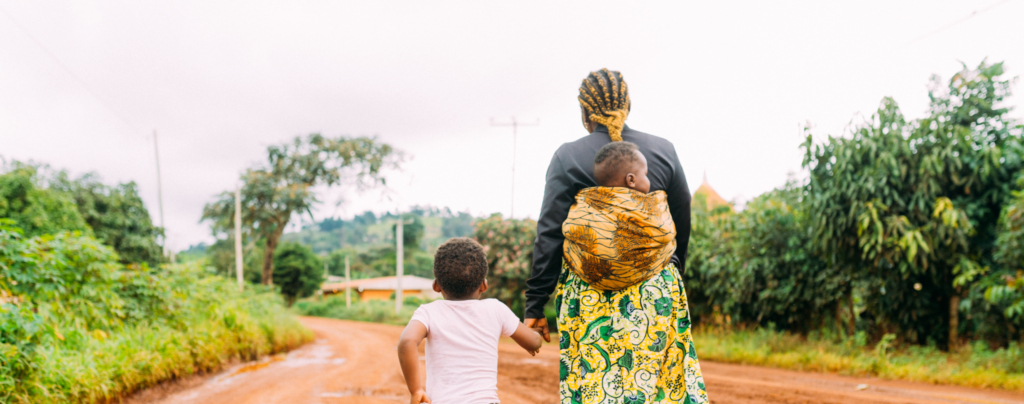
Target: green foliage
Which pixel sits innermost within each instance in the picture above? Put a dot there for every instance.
(755, 266)
(284, 186)
(509, 247)
(53, 203)
(412, 231)
(298, 271)
(1004, 288)
(909, 210)
(78, 326)
(116, 215)
(34, 208)
(221, 257)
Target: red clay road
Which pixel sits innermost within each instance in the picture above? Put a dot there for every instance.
(353, 362)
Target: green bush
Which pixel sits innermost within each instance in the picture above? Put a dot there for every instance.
(77, 326)
(297, 271)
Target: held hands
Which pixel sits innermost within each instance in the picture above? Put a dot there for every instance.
(419, 396)
(540, 325)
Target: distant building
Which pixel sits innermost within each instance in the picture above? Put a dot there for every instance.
(382, 288)
(711, 198)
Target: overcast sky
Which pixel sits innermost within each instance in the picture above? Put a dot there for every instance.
(83, 85)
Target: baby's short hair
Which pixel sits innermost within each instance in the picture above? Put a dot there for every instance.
(460, 266)
(612, 159)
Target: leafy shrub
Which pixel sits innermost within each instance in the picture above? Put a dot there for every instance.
(297, 271)
(77, 326)
(509, 247)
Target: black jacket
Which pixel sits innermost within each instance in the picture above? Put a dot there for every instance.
(572, 169)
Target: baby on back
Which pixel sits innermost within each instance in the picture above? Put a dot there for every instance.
(619, 233)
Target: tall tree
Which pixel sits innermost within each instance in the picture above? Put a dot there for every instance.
(35, 208)
(117, 216)
(909, 209)
(282, 187)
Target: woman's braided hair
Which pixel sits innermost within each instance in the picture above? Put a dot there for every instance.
(605, 97)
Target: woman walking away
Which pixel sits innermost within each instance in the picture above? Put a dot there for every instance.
(625, 338)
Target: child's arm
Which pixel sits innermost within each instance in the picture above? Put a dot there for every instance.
(409, 357)
(527, 338)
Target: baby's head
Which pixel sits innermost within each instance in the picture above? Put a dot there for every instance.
(620, 164)
(460, 269)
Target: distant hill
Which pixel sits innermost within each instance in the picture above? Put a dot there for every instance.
(432, 226)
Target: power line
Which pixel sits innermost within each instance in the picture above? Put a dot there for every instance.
(515, 124)
(67, 69)
(961, 20)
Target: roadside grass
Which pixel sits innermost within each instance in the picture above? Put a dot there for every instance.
(973, 365)
(96, 368)
(373, 311)
(155, 325)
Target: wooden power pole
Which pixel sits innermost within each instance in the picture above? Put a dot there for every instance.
(159, 191)
(348, 287)
(400, 267)
(515, 124)
(238, 237)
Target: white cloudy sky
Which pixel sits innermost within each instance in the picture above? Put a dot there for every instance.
(83, 85)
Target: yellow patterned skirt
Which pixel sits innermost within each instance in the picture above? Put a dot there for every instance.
(628, 346)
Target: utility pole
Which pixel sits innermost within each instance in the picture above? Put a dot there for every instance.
(238, 237)
(348, 286)
(399, 264)
(515, 124)
(326, 276)
(159, 190)
(399, 257)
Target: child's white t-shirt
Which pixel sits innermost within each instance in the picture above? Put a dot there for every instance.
(462, 348)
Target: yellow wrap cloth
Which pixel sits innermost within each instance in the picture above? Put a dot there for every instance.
(617, 237)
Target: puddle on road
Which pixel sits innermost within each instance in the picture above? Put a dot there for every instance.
(256, 366)
(318, 354)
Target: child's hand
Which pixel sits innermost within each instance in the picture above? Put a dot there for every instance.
(418, 397)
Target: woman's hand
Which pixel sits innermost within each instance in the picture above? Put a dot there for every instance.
(418, 397)
(540, 325)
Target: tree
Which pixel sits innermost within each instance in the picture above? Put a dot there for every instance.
(457, 225)
(34, 208)
(1003, 289)
(509, 247)
(298, 271)
(117, 216)
(756, 266)
(272, 193)
(909, 210)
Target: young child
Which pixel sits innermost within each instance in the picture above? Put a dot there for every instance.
(462, 332)
(619, 233)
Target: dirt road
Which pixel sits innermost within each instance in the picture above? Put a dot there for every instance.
(356, 363)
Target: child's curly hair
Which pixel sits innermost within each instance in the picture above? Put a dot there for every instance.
(460, 266)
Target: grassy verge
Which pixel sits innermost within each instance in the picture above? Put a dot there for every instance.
(374, 311)
(200, 324)
(974, 365)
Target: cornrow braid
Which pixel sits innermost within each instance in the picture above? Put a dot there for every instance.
(603, 94)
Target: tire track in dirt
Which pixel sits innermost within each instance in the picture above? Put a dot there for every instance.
(353, 362)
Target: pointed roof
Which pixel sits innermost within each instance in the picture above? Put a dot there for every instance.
(713, 199)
